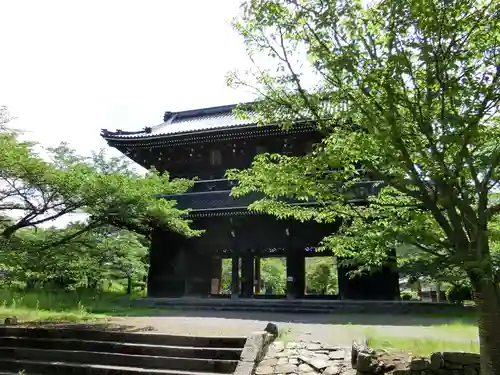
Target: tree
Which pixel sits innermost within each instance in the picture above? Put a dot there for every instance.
(82, 262)
(36, 190)
(406, 94)
(321, 276)
(274, 275)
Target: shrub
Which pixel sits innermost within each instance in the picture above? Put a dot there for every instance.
(407, 296)
(458, 293)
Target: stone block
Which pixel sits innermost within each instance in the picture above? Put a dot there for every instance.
(436, 361)
(355, 350)
(332, 370)
(467, 359)
(304, 368)
(337, 355)
(318, 364)
(285, 369)
(264, 370)
(282, 361)
(269, 362)
(419, 364)
(245, 368)
(405, 371)
(254, 347)
(364, 362)
(322, 357)
(452, 365)
(468, 370)
(313, 347)
(272, 329)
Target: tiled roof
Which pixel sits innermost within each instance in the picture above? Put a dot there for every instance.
(191, 121)
(211, 119)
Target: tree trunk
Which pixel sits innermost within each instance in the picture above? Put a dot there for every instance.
(129, 285)
(488, 303)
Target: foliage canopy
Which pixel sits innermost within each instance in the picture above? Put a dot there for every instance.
(406, 94)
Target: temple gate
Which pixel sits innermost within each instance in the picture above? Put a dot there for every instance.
(205, 143)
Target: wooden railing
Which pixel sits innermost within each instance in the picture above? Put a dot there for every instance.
(216, 195)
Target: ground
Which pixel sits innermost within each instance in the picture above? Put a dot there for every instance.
(381, 330)
(403, 332)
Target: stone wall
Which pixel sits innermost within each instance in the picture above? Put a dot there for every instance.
(367, 362)
(313, 358)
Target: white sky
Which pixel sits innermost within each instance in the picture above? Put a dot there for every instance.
(70, 68)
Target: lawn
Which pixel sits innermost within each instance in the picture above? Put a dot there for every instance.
(420, 346)
(456, 334)
(44, 305)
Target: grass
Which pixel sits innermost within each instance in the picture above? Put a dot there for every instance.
(46, 305)
(420, 346)
(458, 328)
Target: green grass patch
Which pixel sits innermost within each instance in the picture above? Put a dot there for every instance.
(420, 346)
(82, 305)
(459, 328)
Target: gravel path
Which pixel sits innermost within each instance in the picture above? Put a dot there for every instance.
(327, 329)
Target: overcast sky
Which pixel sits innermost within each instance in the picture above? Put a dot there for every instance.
(70, 68)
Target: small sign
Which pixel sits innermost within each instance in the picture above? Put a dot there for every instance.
(289, 279)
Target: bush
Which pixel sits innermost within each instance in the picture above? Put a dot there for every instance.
(458, 293)
(406, 296)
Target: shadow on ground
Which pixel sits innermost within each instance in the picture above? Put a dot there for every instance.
(101, 326)
(334, 318)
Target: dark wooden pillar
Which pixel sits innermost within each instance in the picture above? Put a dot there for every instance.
(347, 286)
(166, 276)
(235, 276)
(381, 284)
(199, 273)
(295, 273)
(247, 274)
(257, 274)
(389, 279)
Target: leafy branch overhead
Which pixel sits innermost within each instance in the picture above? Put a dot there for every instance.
(406, 90)
(405, 93)
(36, 190)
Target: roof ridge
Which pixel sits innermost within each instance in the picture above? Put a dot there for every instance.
(204, 111)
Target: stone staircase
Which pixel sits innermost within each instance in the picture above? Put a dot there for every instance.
(302, 306)
(85, 351)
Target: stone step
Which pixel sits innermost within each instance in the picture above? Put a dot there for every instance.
(303, 306)
(68, 368)
(114, 359)
(122, 348)
(277, 309)
(124, 337)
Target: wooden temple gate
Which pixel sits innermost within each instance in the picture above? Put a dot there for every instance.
(204, 144)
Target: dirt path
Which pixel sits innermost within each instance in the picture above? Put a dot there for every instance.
(327, 329)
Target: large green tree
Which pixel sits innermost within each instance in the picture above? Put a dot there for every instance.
(321, 276)
(406, 93)
(117, 208)
(35, 190)
(85, 261)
